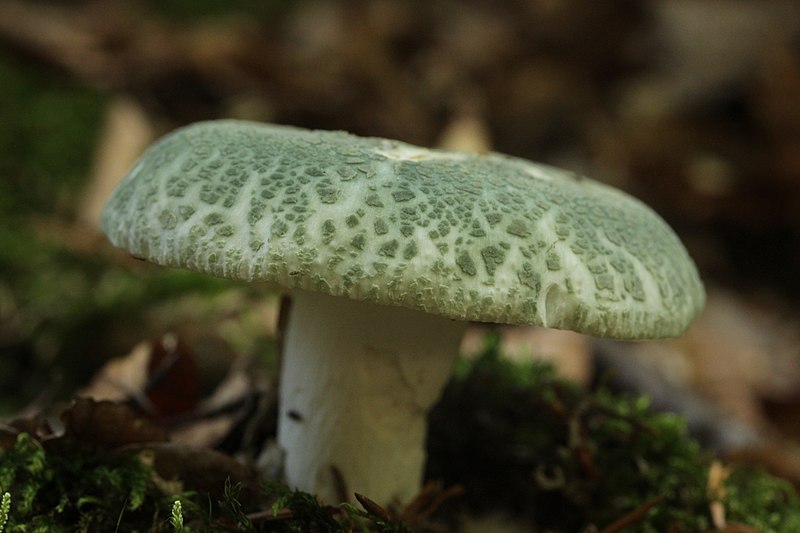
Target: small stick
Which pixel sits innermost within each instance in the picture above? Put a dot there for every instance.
(633, 517)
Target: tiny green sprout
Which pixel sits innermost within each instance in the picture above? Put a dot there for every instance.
(177, 516)
(5, 509)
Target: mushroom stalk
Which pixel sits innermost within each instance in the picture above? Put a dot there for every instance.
(357, 382)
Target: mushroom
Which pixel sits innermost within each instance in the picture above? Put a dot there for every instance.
(389, 250)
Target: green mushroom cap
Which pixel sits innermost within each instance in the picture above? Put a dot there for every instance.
(471, 237)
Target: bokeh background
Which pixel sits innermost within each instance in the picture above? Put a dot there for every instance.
(691, 105)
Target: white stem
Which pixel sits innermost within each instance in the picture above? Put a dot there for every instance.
(357, 382)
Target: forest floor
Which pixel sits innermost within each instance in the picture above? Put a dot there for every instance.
(697, 118)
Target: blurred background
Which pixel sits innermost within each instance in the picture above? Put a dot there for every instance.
(691, 105)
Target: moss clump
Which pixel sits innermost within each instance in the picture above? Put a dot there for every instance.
(763, 502)
(523, 441)
(59, 486)
(74, 489)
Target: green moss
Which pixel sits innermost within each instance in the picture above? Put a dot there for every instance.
(62, 312)
(768, 504)
(56, 491)
(521, 440)
(303, 513)
(49, 129)
(63, 487)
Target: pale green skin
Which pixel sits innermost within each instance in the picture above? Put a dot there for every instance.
(470, 237)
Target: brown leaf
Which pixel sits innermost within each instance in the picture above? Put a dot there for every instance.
(173, 385)
(108, 425)
(198, 469)
(161, 376)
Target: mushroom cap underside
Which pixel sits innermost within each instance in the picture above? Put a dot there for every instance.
(471, 237)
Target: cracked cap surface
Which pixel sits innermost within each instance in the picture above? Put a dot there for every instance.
(472, 237)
